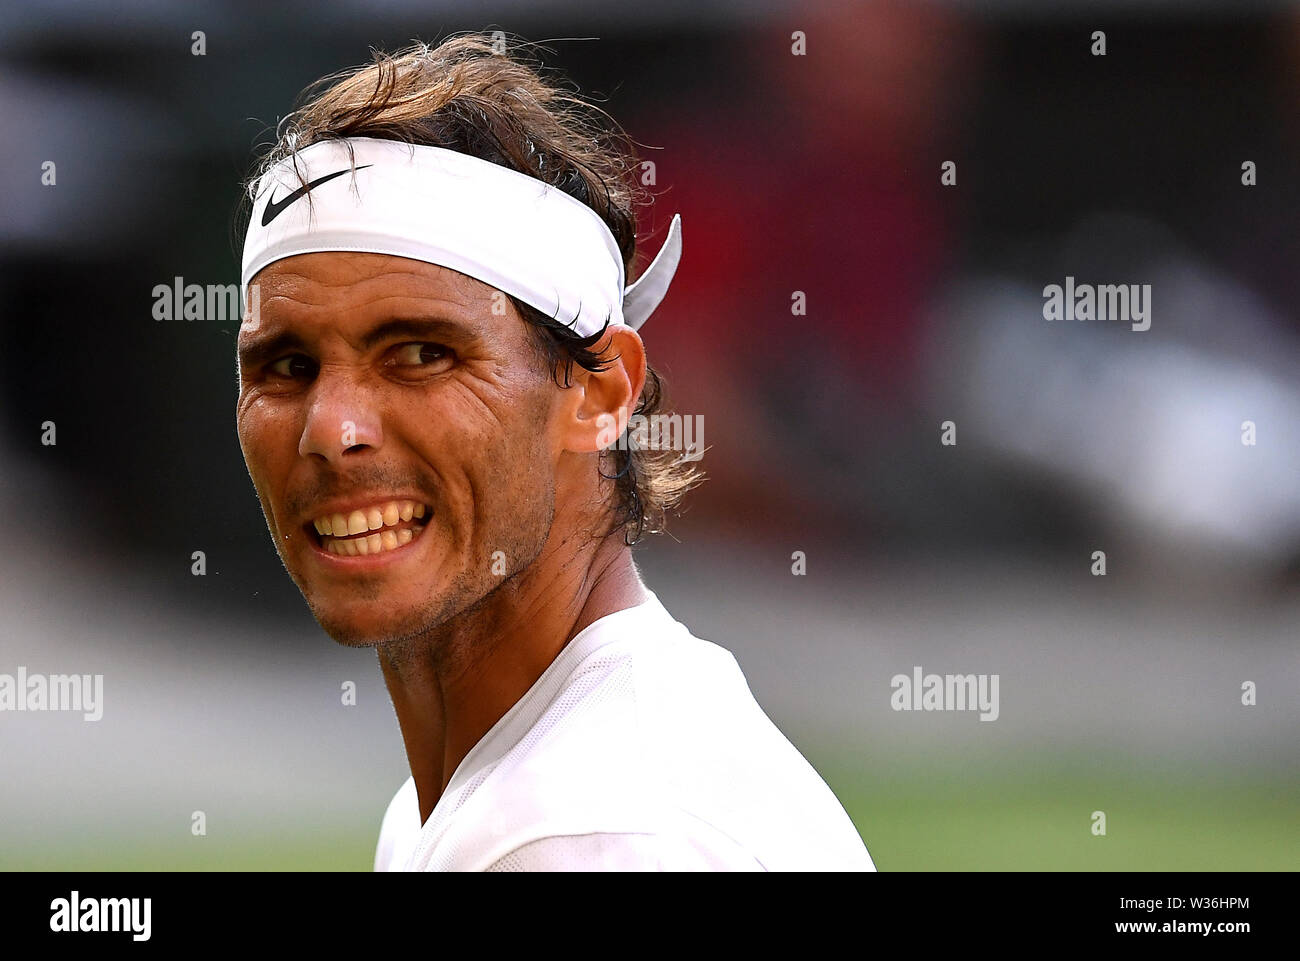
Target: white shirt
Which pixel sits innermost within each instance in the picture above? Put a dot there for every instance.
(639, 748)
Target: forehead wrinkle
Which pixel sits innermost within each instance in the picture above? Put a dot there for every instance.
(306, 289)
(390, 265)
(471, 295)
(315, 303)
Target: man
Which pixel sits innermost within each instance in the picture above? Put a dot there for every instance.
(436, 373)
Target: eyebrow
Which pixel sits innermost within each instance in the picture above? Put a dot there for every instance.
(262, 349)
(416, 328)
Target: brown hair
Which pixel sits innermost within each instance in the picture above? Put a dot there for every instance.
(467, 94)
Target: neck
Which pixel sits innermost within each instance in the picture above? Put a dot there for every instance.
(449, 687)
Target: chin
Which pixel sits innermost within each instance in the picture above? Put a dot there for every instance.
(369, 613)
(366, 627)
(349, 635)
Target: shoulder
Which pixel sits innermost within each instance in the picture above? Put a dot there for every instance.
(648, 750)
(610, 851)
(399, 828)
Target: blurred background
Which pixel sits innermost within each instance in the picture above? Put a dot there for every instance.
(817, 173)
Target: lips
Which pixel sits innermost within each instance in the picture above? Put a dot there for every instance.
(372, 529)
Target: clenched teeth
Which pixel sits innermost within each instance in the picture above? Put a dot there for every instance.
(373, 544)
(371, 519)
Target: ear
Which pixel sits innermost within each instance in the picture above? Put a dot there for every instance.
(597, 409)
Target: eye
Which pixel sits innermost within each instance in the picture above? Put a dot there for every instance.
(421, 354)
(293, 366)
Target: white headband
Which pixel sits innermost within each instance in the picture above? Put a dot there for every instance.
(494, 224)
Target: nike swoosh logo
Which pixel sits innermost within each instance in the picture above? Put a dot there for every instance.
(275, 208)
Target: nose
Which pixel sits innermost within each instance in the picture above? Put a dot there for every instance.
(342, 421)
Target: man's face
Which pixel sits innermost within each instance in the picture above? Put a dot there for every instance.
(380, 392)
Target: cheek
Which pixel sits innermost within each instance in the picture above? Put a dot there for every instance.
(264, 426)
(518, 483)
(269, 442)
(491, 454)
